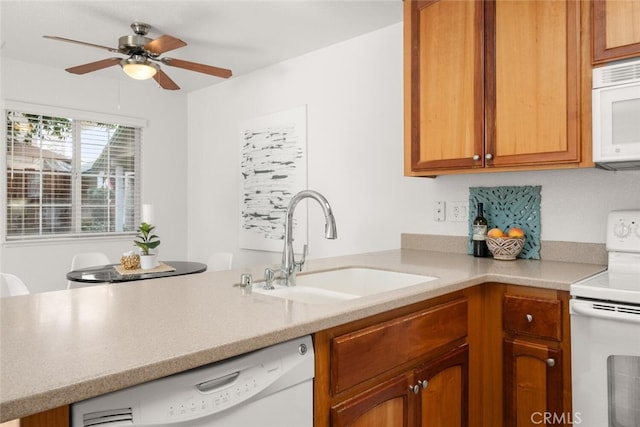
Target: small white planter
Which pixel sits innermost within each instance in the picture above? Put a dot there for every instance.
(147, 262)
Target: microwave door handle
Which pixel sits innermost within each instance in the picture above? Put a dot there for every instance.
(586, 309)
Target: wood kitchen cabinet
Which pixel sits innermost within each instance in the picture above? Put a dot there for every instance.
(616, 30)
(399, 368)
(495, 85)
(444, 396)
(532, 358)
(435, 394)
(532, 382)
(386, 404)
(520, 364)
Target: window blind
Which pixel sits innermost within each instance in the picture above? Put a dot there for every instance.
(70, 177)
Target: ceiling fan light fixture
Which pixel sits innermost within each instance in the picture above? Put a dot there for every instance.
(139, 67)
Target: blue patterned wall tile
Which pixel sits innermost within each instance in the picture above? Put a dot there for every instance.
(507, 207)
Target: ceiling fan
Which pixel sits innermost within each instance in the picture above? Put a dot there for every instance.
(143, 56)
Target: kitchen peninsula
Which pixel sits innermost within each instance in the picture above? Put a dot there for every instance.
(65, 346)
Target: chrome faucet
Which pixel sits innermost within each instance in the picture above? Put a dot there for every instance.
(289, 264)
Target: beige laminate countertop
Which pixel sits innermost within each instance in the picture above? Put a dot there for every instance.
(66, 346)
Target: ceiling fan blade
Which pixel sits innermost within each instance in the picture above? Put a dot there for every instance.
(94, 66)
(62, 39)
(200, 68)
(164, 44)
(165, 81)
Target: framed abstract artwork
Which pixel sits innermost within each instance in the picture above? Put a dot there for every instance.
(273, 165)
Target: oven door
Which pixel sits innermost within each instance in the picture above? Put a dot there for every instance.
(605, 356)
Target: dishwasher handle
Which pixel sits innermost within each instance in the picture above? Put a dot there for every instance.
(211, 385)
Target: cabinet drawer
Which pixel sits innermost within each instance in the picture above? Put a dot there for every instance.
(363, 354)
(540, 317)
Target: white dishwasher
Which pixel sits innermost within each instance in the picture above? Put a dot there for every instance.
(268, 387)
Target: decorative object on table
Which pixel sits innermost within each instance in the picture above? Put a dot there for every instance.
(161, 267)
(274, 168)
(505, 246)
(509, 207)
(130, 260)
(147, 241)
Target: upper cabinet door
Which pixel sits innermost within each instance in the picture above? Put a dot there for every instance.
(532, 86)
(495, 85)
(616, 30)
(444, 84)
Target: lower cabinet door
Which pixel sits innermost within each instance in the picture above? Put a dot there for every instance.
(386, 405)
(444, 390)
(532, 383)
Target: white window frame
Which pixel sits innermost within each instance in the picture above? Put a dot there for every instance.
(78, 115)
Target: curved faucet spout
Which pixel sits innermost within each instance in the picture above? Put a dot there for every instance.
(330, 231)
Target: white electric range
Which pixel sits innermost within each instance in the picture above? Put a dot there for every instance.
(605, 332)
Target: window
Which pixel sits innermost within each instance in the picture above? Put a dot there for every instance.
(69, 176)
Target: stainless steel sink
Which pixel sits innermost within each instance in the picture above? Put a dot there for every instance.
(343, 284)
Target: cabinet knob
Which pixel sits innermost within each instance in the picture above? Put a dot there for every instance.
(424, 383)
(414, 388)
(488, 156)
(529, 318)
(551, 362)
(476, 157)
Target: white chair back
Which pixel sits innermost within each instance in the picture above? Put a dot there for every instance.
(220, 261)
(85, 260)
(12, 285)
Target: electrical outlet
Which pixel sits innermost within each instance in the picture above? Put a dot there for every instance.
(459, 212)
(439, 211)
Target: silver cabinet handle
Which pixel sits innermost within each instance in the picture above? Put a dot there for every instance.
(529, 318)
(422, 384)
(488, 156)
(476, 157)
(551, 362)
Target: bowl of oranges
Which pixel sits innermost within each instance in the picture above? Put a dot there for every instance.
(505, 245)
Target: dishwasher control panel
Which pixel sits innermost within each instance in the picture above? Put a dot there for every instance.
(231, 390)
(221, 391)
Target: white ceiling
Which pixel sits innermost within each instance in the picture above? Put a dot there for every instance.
(240, 35)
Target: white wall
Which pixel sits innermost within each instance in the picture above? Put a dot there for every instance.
(164, 163)
(353, 92)
(354, 97)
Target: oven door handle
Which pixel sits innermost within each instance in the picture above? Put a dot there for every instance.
(608, 311)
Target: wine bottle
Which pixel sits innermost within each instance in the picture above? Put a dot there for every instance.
(479, 236)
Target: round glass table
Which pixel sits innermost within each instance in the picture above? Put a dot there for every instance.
(110, 273)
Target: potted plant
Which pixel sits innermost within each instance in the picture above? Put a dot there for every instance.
(147, 241)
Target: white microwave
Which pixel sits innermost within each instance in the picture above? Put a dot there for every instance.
(616, 115)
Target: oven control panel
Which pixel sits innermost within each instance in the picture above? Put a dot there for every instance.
(623, 231)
